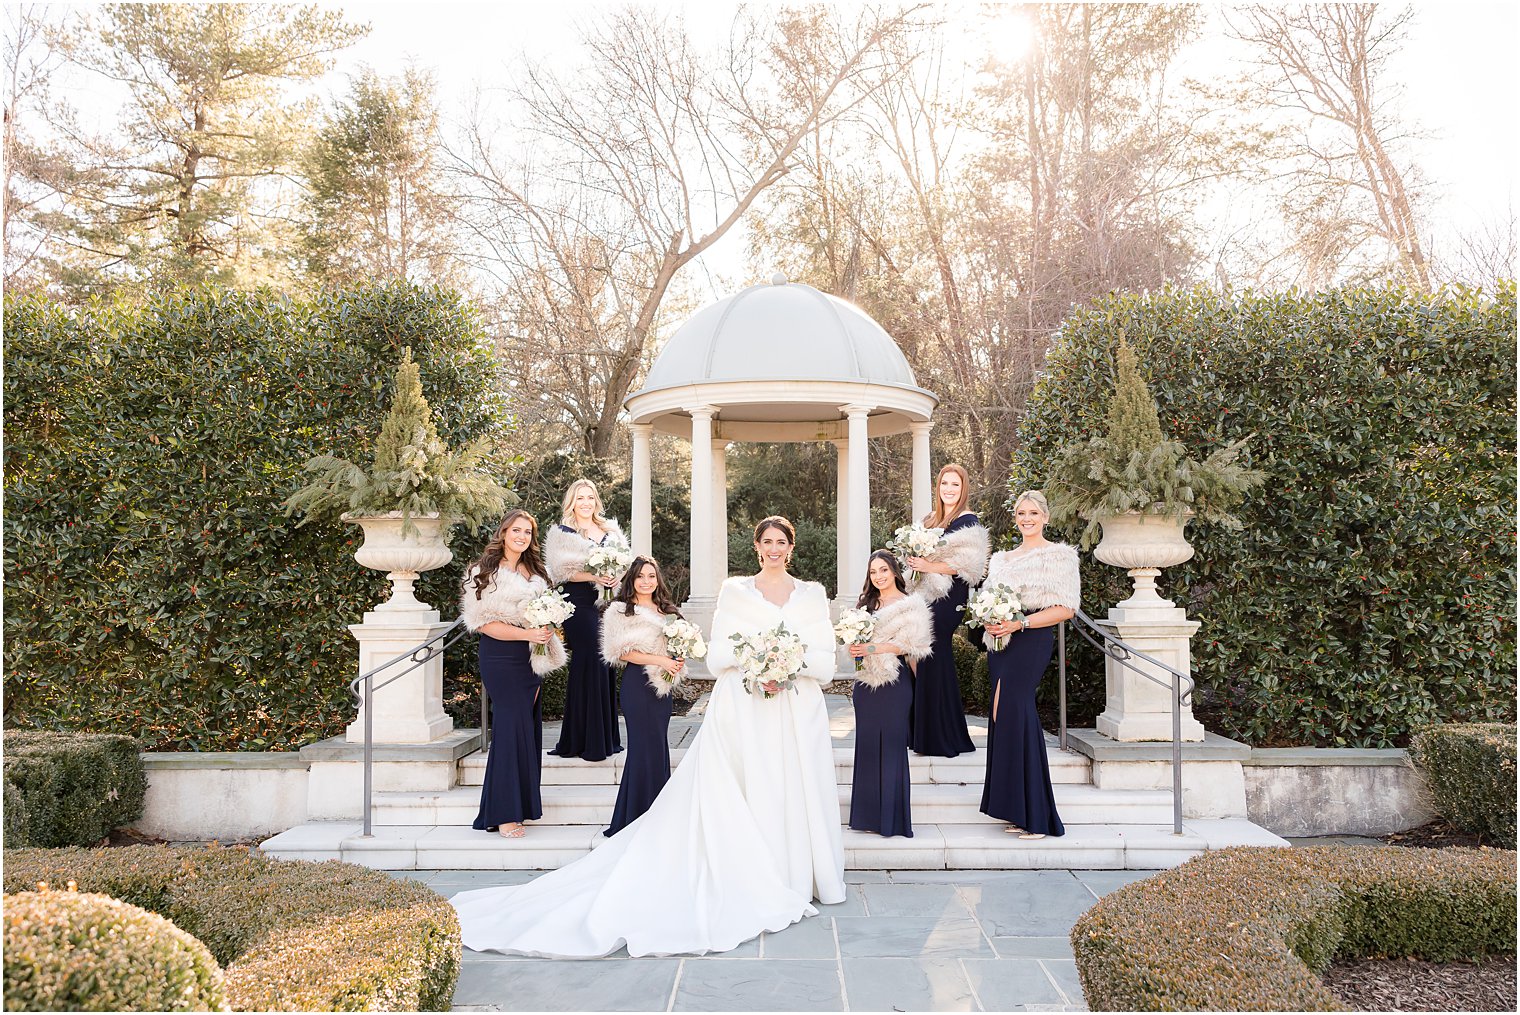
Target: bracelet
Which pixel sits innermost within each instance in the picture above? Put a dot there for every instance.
(871, 648)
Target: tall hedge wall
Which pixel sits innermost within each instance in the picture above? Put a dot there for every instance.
(1372, 590)
(153, 586)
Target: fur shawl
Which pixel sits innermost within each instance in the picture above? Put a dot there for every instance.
(741, 608)
(906, 623)
(566, 551)
(965, 550)
(644, 631)
(504, 599)
(1046, 576)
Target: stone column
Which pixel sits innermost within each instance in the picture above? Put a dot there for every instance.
(719, 513)
(703, 597)
(642, 522)
(860, 493)
(842, 588)
(923, 497)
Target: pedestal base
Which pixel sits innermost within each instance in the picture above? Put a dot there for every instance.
(1138, 708)
(408, 710)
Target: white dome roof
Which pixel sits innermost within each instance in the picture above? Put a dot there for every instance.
(779, 331)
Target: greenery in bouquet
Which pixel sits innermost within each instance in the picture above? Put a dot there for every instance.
(1134, 467)
(413, 471)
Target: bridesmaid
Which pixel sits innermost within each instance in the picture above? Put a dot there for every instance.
(497, 588)
(633, 634)
(590, 727)
(883, 697)
(1045, 575)
(944, 580)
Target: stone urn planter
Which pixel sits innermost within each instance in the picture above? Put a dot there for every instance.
(1143, 543)
(403, 555)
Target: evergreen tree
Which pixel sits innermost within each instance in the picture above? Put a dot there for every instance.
(1134, 424)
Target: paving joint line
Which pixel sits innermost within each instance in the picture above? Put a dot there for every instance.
(971, 985)
(844, 992)
(1049, 976)
(675, 986)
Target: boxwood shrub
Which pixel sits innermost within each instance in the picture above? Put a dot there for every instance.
(76, 951)
(1372, 589)
(1471, 770)
(1250, 929)
(290, 935)
(70, 789)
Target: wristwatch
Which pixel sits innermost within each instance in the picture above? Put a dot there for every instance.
(871, 648)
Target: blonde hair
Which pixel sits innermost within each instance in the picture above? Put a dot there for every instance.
(1034, 497)
(567, 506)
(939, 517)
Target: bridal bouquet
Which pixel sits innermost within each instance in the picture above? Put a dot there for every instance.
(770, 657)
(855, 627)
(993, 604)
(684, 640)
(609, 560)
(914, 541)
(549, 608)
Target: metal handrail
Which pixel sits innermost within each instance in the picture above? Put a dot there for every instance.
(420, 655)
(1117, 649)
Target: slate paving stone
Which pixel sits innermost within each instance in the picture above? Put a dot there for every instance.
(907, 985)
(1008, 984)
(866, 877)
(915, 900)
(1103, 882)
(811, 938)
(1029, 907)
(568, 984)
(910, 937)
(854, 903)
(760, 985)
(1032, 947)
(1064, 972)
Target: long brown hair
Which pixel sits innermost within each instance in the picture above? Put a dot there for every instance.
(939, 517)
(626, 593)
(491, 557)
(870, 596)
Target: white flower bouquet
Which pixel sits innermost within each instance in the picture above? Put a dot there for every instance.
(683, 640)
(770, 657)
(914, 541)
(994, 603)
(549, 608)
(855, 627)
(609, 560)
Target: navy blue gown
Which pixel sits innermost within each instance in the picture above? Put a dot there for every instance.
(939, 716)
(510, 792)
(1017, 786)
(879, 796)
(647, 768)
(590, 727)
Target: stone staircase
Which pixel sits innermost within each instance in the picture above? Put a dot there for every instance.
(1106, 828)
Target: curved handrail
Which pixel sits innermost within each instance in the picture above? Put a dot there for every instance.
(1120, 651)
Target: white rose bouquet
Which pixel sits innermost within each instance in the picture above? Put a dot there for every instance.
(914, 541)
(549, 608)
(856, 627)
(609, 560)
(994, 603)
(770, 657)
(683, 640)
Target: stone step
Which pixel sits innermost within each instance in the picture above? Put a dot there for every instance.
(933, 803)
(1065, 767)
(933, 847)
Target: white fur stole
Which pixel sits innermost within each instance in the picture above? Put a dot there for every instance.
(566, 553)
(741, 608)
(643, 631)
(1049, 575)
(504, 599)
(906, 623)
(965, 550)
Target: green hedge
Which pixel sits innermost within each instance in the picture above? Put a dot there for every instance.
(1372, 590)
(1471, 770)
(70, 789)
(153, 585)
(290, 935)
(71, 951)
(1250, 929)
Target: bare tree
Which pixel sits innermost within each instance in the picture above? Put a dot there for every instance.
(29, 63)
(1330, 61)
(638, 163)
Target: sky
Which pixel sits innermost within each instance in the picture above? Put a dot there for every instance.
(1458, 71)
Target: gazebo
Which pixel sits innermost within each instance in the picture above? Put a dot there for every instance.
(776, 362)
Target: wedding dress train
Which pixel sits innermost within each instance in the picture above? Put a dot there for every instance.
(742, 838)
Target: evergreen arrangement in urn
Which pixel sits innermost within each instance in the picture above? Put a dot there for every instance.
(1134, 467)
(414, 471)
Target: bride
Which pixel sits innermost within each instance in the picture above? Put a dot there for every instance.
(744, 835)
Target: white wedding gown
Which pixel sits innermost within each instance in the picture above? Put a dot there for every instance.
(741, 840)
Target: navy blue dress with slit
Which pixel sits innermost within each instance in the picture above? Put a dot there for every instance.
(939, 716)
(647, 768)
(1017, 786)
(879, 796)
(514, 762)
(589, 729)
